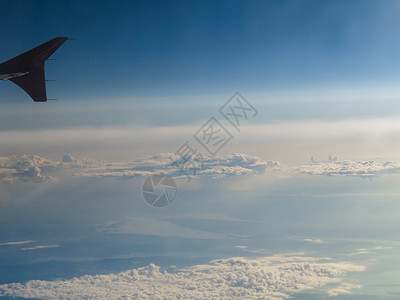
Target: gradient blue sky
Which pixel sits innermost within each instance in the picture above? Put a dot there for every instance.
(140, 80)
(158, 48)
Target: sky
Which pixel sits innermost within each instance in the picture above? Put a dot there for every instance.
(296, 197)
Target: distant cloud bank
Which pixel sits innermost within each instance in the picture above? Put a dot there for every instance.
(273, 277)
(335, 167)
(32, 168)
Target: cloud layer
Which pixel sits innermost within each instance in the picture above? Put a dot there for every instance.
(274, 277)
(334, 167)
(36, 169)
(32, 168)
(26, 168)
(86, 138)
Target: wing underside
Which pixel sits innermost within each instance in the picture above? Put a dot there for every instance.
(33, 84)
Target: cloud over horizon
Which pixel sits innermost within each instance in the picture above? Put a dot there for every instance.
(32, 168)
(335, 167)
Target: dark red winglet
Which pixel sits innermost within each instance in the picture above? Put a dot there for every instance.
(32, 63)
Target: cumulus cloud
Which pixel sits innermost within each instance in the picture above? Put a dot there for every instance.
(27, 168)
(174, 165)
(335, 167)
(273, 277)
(36, 169)
(236, 165)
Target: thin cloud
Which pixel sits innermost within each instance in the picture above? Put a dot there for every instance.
(40, 247)
(315, 241)
(156, 227)
(368, 250)
(240, 247)
(290, 131)
(16, 243)
(342, 289)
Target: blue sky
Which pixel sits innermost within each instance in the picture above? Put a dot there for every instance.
(302, 202)
(125, 49)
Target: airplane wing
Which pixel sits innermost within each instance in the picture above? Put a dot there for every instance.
(33, 84)
(36, 56)
(32, 63)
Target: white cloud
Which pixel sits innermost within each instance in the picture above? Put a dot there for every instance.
(27, 168)
(362, 251)
(215, 167)
(334, 167)
(36, 169)
(343, 288)
(315, 241)
(382, 248)
(369, 250)
(40, 247)
(273, 277)
(16, 243)
(28, 242)
(32, 168)
(236, 165)
(240, 247)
